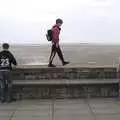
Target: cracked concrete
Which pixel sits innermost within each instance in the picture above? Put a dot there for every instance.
(62, 109)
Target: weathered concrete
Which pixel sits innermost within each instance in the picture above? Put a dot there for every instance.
(65, 109)
(72, 82)
(71, 72)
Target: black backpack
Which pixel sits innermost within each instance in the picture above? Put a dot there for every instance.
(49, 35)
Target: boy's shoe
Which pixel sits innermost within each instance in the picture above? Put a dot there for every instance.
(51, 65)
(65, 63)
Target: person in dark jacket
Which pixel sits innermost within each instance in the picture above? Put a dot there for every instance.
(55, 44)
(6, 61)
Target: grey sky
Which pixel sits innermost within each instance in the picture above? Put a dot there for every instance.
(85, 21)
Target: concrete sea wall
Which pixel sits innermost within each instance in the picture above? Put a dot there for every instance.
(57, 75)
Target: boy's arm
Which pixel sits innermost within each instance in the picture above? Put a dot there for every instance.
(13, 59)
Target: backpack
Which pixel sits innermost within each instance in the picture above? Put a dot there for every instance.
(49, 35)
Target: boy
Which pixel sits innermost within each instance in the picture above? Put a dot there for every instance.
(55, 44)
(6, 59)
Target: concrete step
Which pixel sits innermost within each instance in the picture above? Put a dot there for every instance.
(64, 88)
(66, 82)
(38, 73)
(61, 82)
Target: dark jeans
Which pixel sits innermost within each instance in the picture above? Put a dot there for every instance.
(6, 85)
(53, 53)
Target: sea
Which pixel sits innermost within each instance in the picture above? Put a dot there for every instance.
(77, 54)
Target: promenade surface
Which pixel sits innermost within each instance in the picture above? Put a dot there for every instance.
(62, 109)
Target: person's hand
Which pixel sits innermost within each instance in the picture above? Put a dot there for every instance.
(56, 45)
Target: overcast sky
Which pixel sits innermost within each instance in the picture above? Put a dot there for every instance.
(85, 21)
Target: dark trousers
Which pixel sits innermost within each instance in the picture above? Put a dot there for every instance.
(6, 85)
(55, 49)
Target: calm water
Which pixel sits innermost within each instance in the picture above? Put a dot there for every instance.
(77, 54)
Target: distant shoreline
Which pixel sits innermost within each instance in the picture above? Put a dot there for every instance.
(77, 44)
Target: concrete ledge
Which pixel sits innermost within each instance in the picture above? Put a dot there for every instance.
(65, 82)
(24, 67)
(68, 66)
(64, 73)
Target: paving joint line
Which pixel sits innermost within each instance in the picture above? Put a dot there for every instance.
(92, 113)
(12, 115)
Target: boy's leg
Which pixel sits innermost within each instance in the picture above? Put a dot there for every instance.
(8, 87)
(61, 56)
(59, 52)
(9, 93)
(2, 85)
(53, 52)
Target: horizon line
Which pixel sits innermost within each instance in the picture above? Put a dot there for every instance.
(74, 43)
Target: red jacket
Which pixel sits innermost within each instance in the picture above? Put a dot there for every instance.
(55, 33)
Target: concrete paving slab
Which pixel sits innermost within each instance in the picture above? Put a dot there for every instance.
(32, 118)
(108, 117)
(74, 117)
(72, 112)
(101, 100)
(4, 118)
(33, 113)
(9, 106)
(6, 113)
(69, 101)
(87, 109)
(34, 107)
(105, 108)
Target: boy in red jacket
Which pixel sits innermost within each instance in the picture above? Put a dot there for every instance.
(55, 44)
